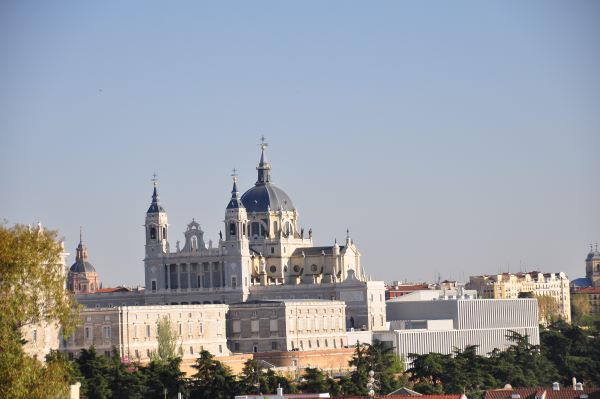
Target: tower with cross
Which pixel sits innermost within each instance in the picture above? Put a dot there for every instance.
(156, 225)
(592, 265)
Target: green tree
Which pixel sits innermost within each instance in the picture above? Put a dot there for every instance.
(31, 293)
(95, 370)
(357, 383)
(163, 375)
(314, 381)
(212, 379)
(386, 364)
(125, 380)
(273, 381)
(252, 379)
(167, 341)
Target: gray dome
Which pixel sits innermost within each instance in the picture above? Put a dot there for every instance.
(266, 196)
(82, 266)
(593, 255)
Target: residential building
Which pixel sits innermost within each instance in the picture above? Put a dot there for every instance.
(510, 285)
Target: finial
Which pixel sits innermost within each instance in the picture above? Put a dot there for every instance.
(596, 247)
(263, 142)
(234, 174)
(591, 248)
(154, 179)
(347, 233)
(80, 235)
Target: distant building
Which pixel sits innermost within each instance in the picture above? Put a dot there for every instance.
(82, 277)
(132, 330)
(590, 285)
(397, 289)
(510, 285)
(429, 324)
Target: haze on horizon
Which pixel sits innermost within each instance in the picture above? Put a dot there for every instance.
(454, 138)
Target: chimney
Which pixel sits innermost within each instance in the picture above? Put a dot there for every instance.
(579, 386)
(555, 386)
(280, 391)
(574, 383)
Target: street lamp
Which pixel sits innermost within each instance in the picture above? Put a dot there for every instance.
(371, 384)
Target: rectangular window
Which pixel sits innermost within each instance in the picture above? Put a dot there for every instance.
(106, 332)
(153, 285)
(88, 333)
(273, 325)
(233, 282)
(34, 336)
(274, 345)
(254, 326)
(201, 329)
(236, 346)
(148, 330)
(237, 328)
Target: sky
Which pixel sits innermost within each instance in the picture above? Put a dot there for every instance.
(450, 138)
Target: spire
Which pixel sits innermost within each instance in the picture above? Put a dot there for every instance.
(235, 201)
(155, 206)
(81, 251)
(264, 168)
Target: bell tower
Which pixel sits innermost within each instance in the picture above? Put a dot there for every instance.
(156, 226)
(236, 247)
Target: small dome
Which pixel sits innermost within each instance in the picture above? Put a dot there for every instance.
(82, 266)
(593, 255)
(266, 196)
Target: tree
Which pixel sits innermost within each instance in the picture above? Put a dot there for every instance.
(252, 379)
(163, 375)
(167, 341)
(548, 309)
(212, 379)
(580, 308)
(95, 370)
(386, 364)
(314, 381)
(32, 293)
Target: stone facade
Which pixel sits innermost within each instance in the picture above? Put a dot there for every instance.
(132, 330)
(286, 325)
(509, 285)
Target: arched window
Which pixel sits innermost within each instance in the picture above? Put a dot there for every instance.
(153, 233)
(194, 242)
(164, 235)
(232, 229)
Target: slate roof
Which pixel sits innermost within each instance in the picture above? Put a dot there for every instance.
(312, 251)
(81, 266)
(266, 196)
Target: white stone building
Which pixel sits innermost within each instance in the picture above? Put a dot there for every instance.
(132, 330)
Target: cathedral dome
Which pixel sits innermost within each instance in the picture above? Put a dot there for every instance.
(266, 196)
(593, 255)
(82, 266)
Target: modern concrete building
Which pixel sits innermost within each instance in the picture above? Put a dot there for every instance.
(510, 285)
(286, 325)
(133, 331)
(439, 325)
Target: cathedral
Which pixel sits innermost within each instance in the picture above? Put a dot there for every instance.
(263, 255)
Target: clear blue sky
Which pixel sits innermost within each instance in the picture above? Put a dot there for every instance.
(450, 137)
